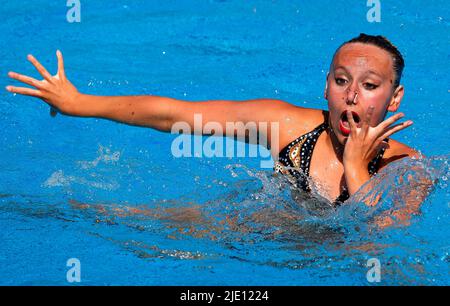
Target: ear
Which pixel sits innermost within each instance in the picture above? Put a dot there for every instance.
(396, 99)
(325, 92)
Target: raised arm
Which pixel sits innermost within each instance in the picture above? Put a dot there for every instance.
(150, 111)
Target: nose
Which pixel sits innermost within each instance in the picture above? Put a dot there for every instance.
(352, 96)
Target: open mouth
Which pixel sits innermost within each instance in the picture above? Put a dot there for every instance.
(344, 125)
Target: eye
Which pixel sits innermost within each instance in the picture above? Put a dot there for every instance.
(370, 86)
(340, 81)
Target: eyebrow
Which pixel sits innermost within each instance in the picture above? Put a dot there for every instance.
(340, 67)
(368, 72)
(374, 72)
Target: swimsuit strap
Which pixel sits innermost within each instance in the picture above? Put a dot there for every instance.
(308, 145)
(297, 156)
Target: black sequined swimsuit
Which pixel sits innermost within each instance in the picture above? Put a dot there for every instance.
(296, 156)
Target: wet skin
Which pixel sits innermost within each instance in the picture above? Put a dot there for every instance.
(339, 160)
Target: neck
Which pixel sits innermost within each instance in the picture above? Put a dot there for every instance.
(334, 144)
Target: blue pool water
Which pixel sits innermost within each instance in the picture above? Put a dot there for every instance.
(114, 197)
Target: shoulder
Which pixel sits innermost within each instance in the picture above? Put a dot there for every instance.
(303, 117)
(287, 107)
(396, 151)
(288, 115)
(295, 121)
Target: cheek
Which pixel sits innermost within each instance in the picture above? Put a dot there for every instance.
(377, 97)
(378, 117)
(333, 109)
(381, 104)
(336, 93)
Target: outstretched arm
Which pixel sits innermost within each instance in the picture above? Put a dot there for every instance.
(150, 111)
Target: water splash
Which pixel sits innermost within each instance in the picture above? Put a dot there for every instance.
(104, 158)
(256, 220)
(104, 155)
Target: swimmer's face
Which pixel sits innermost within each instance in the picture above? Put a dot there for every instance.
(368, 71)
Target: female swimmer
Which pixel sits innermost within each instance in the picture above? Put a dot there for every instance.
(340, 148)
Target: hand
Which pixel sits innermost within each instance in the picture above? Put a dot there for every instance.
(364, 143)
(57, 91)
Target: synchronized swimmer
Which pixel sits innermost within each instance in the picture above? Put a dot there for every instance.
(339, 148)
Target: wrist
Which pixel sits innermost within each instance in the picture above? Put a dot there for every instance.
(86, 106)
(353, 165)
(356, 174)
(75, 105)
